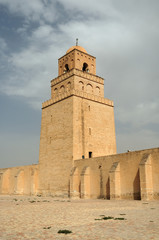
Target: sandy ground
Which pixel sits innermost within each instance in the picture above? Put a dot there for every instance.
(24, 217)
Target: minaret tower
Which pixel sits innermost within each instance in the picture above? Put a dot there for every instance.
(77, 122)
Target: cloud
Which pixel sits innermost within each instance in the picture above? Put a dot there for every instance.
(124, 37)
(3, 45)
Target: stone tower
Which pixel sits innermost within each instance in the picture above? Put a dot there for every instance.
(77, 122)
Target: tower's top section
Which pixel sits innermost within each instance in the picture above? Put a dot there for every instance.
(76, 47)
(77, 57)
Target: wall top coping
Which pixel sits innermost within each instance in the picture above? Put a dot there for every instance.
(148, 152)
(77, 93)
(20, 167)
(79, 73)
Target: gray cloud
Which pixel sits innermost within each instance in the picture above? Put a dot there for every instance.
(124, 37)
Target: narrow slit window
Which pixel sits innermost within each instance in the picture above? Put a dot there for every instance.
(90, 131)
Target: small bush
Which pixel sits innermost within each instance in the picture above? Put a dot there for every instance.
(32, 201)
(47, 227)
(119, 219)
(107, 218)
(64, 231)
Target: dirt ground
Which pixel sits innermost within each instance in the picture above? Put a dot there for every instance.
(24, 217)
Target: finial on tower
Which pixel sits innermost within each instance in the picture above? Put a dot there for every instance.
(76, 41)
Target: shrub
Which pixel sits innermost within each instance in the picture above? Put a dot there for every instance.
(64, 231)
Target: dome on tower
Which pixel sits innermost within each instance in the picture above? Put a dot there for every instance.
(76, 47)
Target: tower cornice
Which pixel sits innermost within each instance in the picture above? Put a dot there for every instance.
(77, 72)
(80, 94)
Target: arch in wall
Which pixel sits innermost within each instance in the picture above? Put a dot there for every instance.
(86, 182)
(72, 62)
(81, 86)
(85, 67)
(136, 186)
(68, 86)
(89, 88)
(20, 182)
(66, 68)
(91, 183)
(75, 188)
(55, 91)
(108, 188)
(97, 91)
(34, 182)
(6, 182)
(62, 89)
(78, 63)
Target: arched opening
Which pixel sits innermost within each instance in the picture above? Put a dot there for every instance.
(75, 189)
(81, 86)
(68, 86)
(55, 91)
(89, 88)
(66, 68)
(72, 63)
(136, 187)
(62, 89)
(85, 67)
(85, 183)
(6, 181)
(34, 182)
(97, 91)
(20, 182)
(108, 188)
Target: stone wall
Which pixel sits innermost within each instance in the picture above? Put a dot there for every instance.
(21, 180)
(56, 146)
(131, 175)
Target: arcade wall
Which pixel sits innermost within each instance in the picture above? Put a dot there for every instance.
(21, 180)
(131, 175)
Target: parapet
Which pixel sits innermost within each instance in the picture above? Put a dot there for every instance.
(77, 93)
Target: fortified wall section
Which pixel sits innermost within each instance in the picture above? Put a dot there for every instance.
(21, 180)
(131, 175)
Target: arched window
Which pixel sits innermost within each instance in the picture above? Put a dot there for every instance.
(97, 90)
(55, 91)
(89, 88)
(85, 67)
(68, 86)
(66, 69)
(81, 86)
(62, 89)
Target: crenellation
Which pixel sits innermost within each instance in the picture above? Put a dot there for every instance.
(78, 93)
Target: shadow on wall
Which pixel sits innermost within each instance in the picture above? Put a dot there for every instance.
(108, 189)
(136, 187)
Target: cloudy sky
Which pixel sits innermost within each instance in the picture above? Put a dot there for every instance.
(123, 36)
